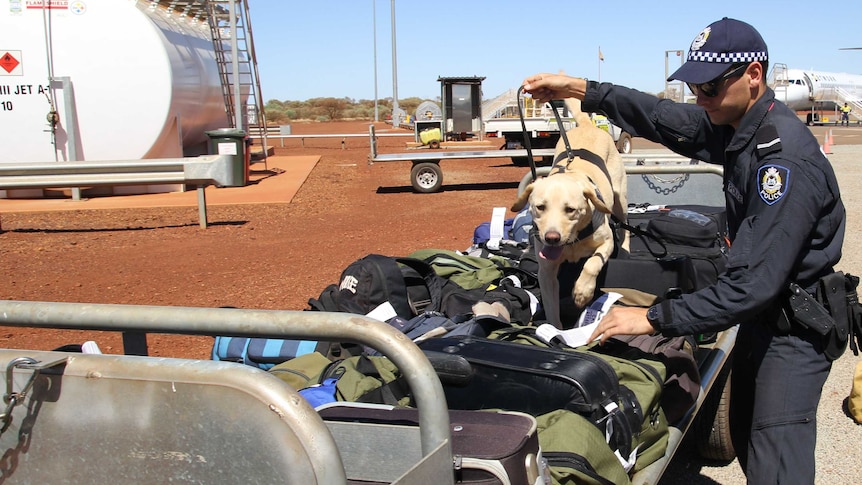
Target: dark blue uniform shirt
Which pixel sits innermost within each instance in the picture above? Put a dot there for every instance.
(785, 215)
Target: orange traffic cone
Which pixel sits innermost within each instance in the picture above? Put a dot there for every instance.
(827, 145)
(831, 141)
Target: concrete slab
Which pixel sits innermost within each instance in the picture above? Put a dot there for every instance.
(278, 182)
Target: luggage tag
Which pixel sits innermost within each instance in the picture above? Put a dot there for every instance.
(590, 317)
(382, 312)
(497, 229)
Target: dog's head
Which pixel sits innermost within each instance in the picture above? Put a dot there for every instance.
(562, 206)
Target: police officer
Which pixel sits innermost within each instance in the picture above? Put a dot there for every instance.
(786, 222)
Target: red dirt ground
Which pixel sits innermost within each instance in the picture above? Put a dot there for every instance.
(265, 256)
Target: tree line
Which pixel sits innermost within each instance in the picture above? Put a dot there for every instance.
(333, 109)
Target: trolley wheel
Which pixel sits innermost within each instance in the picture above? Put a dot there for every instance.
(624, 144)
(528, 178)
(712, 423)
(426, 177)
(434, 144)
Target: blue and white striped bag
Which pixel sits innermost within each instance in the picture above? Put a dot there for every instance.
(267, 352)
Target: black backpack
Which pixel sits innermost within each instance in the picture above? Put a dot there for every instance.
(680, 250)
(364, 285)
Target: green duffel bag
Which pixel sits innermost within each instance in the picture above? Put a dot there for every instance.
(469, 272)
(576, 451)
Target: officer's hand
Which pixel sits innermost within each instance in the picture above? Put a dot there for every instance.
(545, 87)
(623, 320)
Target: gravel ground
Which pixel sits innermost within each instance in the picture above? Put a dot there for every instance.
(839, 460)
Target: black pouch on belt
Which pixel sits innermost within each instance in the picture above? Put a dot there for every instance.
(808, 312)
(832, 293)
(854, 312)
(811, 314)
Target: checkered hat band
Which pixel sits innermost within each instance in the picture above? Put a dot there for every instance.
(727, 57)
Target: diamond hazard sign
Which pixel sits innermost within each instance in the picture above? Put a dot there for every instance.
(9, 61)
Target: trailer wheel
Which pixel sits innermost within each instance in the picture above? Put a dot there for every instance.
(426, 177)
(624, 144)
(712, 424)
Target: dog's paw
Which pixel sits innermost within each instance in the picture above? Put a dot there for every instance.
(583, 293)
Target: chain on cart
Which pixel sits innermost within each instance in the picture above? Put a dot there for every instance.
(13, 398)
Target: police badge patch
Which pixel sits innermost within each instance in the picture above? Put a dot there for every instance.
(774, 180)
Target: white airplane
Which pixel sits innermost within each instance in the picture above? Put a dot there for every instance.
(816, 90)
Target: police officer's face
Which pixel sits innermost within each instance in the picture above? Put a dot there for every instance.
(733, 98)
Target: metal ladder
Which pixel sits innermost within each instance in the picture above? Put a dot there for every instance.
(225, 39)
(497, 107)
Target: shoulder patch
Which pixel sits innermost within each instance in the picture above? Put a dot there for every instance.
(774, 181)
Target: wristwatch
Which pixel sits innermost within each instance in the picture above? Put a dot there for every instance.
(652, 316)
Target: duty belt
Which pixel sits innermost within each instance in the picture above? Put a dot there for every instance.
(834, 314)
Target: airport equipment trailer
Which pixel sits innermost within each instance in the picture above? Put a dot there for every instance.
(544, 132)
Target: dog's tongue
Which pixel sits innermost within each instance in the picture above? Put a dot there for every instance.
(551, 252)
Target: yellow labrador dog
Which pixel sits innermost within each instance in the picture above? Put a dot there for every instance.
(571, 208)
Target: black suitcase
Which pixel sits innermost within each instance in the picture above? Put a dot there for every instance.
(489, 447)
(535, 380)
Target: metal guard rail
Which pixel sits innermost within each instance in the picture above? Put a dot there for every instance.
(218, 170)
(662, 166)
(285, 324)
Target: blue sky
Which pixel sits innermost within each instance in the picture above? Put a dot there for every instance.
(325, 48)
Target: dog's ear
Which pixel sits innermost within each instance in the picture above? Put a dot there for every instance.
(523, 198)
(591, 194)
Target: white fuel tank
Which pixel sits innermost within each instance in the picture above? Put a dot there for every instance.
(131, 80)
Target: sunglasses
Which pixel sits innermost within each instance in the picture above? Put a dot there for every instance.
(710, 89)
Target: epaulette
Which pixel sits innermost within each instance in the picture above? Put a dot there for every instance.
(768, 140)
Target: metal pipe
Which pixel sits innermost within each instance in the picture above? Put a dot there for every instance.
(202, 206)
(342, 327)
(374, 31)
(234, 52)
(396, 121)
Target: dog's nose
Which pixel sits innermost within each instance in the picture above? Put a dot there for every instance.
(552, 237)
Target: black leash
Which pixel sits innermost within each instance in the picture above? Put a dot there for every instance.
(526, 135)
(569, 153)
(642, 235)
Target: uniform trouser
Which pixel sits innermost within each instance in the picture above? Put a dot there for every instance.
(775, 389)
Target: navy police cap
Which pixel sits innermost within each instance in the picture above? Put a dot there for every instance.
(717, 47)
